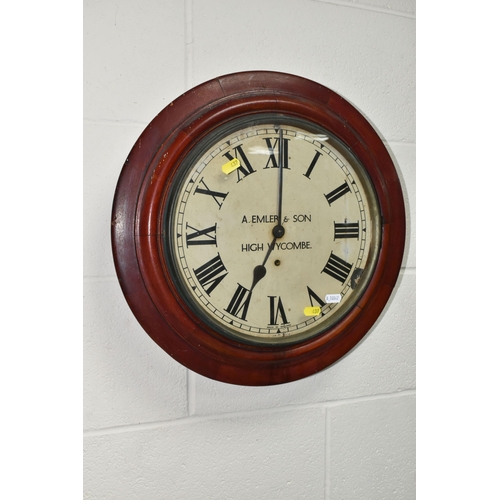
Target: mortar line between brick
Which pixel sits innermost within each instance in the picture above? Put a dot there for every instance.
(328, 453)
(361, 6)
(195, 419)
(191, 393)
(188, 43)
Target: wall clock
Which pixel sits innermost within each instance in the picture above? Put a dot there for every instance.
(258, 228)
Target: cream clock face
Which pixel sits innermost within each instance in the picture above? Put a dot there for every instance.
(274, 230)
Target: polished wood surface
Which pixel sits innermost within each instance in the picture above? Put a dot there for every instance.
(139, 202)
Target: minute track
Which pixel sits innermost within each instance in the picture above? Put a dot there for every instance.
(229, 289)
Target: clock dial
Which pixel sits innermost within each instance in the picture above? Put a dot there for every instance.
(274, 229)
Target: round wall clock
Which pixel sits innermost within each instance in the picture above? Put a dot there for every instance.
(258, 228)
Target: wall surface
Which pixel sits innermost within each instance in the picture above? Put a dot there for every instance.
(153, 429)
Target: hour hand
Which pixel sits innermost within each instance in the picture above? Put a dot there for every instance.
(260, 271)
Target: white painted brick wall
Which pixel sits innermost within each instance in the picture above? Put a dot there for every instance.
(152, 429)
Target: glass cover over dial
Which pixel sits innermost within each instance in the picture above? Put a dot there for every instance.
(274, 230)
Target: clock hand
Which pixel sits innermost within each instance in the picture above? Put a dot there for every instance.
(278, 231)
(260, 271)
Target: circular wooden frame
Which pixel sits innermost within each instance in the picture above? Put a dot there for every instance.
(139, 202)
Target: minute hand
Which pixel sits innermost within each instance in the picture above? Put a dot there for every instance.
(278, 231)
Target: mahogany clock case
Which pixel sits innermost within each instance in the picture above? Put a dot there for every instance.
(143, 196)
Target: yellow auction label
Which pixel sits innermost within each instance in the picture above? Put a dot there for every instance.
(228, 167)
(312, 311)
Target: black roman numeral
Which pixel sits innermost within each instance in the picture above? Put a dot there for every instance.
(275, 310)
(337, 268)
(239, 303)
(201, 236)
(337, 193)
(346, 230)
(214, 194)
(272, 162)
(312, 296)
(245, 167)
(313, 164)
(211, 274)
